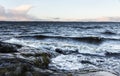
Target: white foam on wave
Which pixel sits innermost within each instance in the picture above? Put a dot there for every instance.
(110, 46)
(66, 62)
(72, 62)
(35, 44)
(21, 41)
(67, 47)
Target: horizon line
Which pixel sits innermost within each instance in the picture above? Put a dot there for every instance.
(67, 21)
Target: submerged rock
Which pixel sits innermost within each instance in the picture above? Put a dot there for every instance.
(86, 62)
(59, 51)
(66, 51)
(8, 48)
(112, 54)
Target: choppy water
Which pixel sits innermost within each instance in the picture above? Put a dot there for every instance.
(75, 46)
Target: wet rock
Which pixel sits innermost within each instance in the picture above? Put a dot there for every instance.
(36, 54)
(100, 61)
(40, 36)
(23, 61)
(18, 71)
(24, 69)
(45, 71)
(112, 54)
(42, 61)
(28, 74)
(66, 51)
(86, 62)
(2, 71)
(41, 72)
(8, 74)
(59, 51)
(8, 48)
(18, 66)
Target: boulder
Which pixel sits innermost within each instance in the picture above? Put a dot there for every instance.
(8, 47)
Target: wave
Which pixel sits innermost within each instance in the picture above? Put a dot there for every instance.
(87, 27)
(92, 40)
(109, 33)
(91, 27)
(106, 49)
(95, 40)
(89, 39)
(41, 32)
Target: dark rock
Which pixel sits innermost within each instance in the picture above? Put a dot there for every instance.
(86, 62)
(24, 69)
(100, 61)
(65, 52)
(18, 70)
(8, 74)
(59, 51)
(112, 54)
(35, 54)
(41, 72)
(41, 36)
(8, 47)
(28, 74)
(42, 61)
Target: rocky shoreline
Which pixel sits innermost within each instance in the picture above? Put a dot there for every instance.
(15, 60)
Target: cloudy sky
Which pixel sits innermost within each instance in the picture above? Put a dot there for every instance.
(59, 10)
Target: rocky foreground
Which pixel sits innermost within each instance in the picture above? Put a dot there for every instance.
(18, 60)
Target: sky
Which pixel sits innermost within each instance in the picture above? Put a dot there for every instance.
(59, 10)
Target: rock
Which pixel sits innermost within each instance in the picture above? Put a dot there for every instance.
(59, 51)
(112, 54)
(8, 48)
(8, 74)
(28, 74)
(86, 62)
(44, 72)
(18, 70)
(66, 51)
(42, 61)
